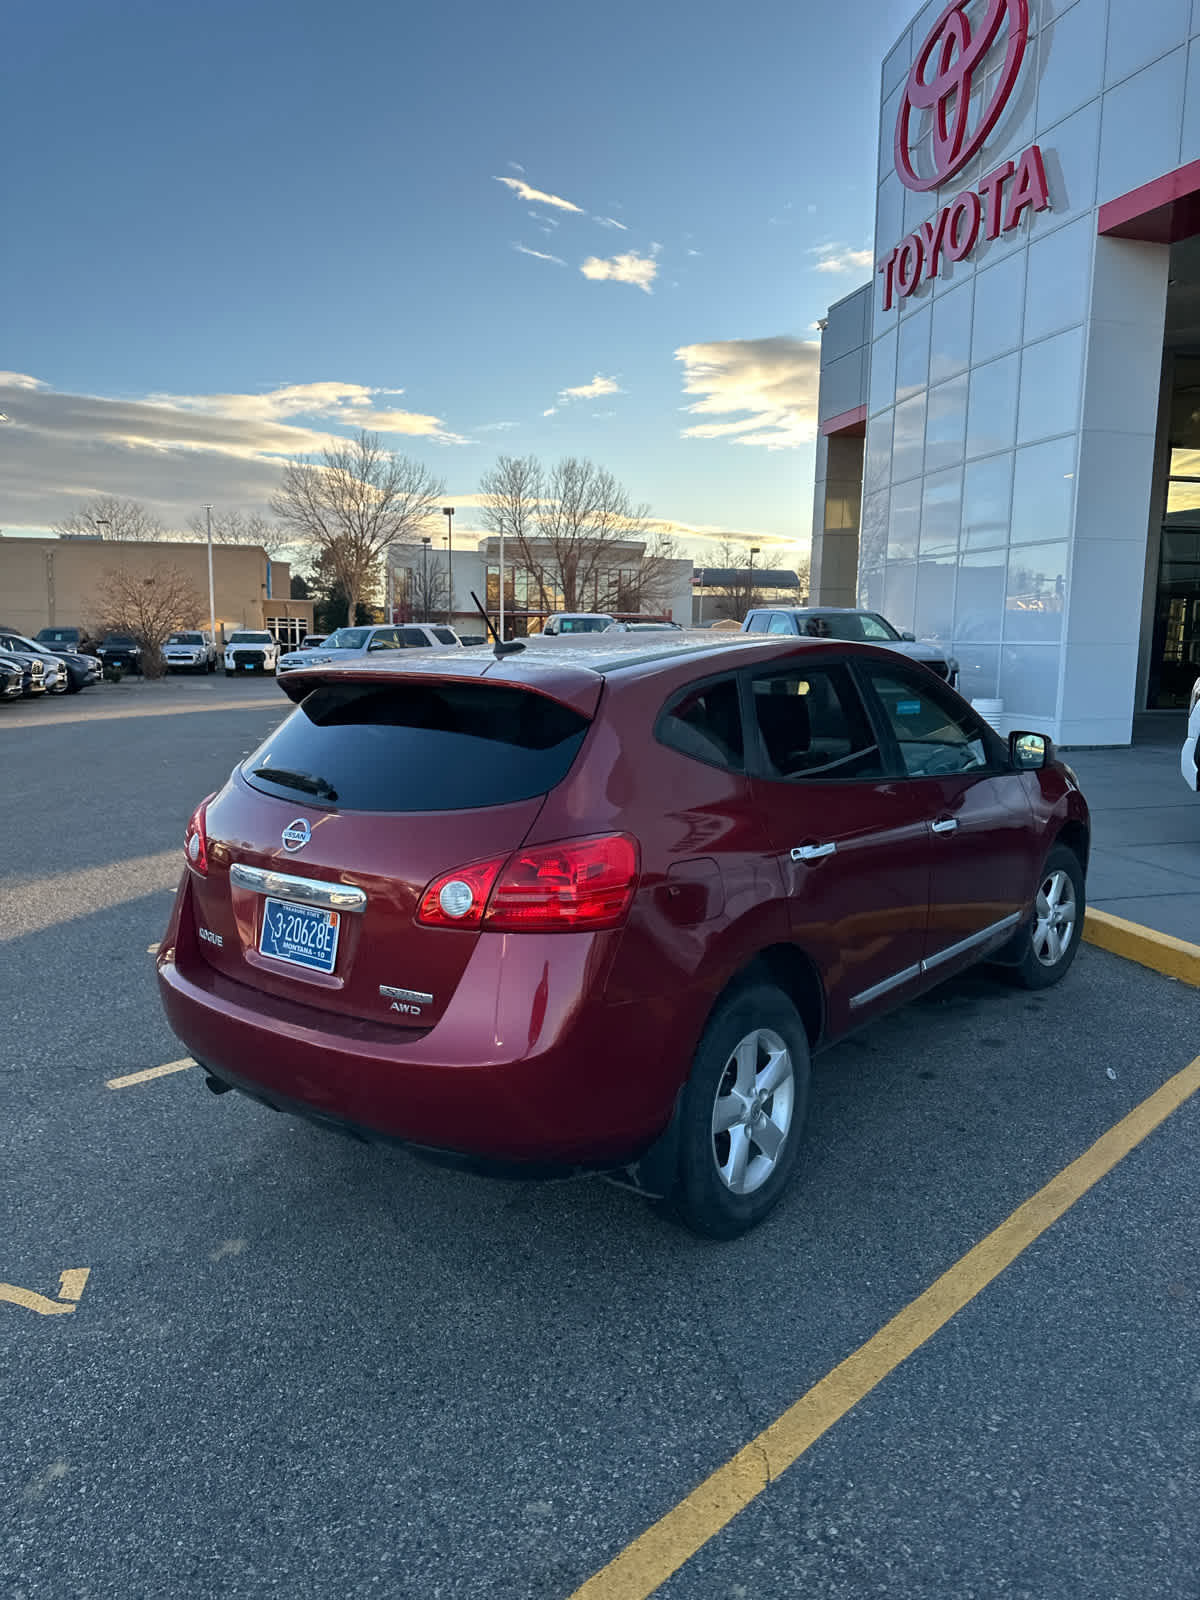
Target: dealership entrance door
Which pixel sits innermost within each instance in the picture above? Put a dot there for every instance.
(1174, 663)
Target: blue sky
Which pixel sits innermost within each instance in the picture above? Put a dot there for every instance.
(236, 228)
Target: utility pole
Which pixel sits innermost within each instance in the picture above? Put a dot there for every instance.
(448, 512)
(212, 604)
(425, 543)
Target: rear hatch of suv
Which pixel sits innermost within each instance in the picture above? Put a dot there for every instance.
(318, 849)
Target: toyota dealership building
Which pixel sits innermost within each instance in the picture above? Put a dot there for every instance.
(1009, 454)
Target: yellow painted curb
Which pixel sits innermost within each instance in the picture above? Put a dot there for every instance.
(1175, 958)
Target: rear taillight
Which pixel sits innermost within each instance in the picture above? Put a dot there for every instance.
(457, 899)
(575, 884)
(195, 840)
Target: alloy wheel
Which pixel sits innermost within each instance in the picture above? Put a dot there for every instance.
(1056, 915)
(752, 1112)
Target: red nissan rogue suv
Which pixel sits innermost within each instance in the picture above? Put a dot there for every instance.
(596, 906)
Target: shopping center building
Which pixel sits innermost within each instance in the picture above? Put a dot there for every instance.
(1009, 451)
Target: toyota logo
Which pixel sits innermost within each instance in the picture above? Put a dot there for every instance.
(942, 81)
(297, 834)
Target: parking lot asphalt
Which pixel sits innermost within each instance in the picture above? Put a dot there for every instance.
(301, 1367)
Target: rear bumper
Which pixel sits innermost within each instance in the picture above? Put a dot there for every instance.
(579, 1083)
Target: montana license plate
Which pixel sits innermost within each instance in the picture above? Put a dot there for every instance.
(304, 935)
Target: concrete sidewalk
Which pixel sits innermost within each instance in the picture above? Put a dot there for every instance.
(1145, 863)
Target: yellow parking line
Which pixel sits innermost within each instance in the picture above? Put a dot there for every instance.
(652, 1557)
(1175, 958)
(151, 1072)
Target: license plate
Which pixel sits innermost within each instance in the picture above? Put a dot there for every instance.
(247, 666)
(304, 935)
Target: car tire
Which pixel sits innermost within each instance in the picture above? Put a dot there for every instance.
(751, 1070)
(1048, 945)
(74, 685)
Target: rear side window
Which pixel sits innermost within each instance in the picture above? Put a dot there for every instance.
(418, 747)
(812, 725)
(445, 636)
(414, 639)
(780, 624)
(705, 723)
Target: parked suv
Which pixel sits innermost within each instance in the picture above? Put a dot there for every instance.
(250, 650)
(844, 622)
(351, 644)
(565, 911)
(193, 651)
(120, 650)
(65, 641)
(64, 674)
(568, 622)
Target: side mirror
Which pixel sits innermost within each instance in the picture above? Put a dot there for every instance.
(1029, 752)
(909, 638)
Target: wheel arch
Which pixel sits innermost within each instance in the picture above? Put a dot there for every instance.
(794, 971)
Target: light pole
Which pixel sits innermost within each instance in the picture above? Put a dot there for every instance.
(501, 628)
(754, 549)
(212, 604)
(425, 581)
(448, 513)
(700, 576)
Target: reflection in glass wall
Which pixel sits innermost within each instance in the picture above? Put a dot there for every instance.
(1175, 646)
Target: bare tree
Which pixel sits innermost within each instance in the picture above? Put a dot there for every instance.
(354, 502)
(150, 607)
(571, 529)
(737, 591)
(241, 527)
(423, 590)
(113, 519)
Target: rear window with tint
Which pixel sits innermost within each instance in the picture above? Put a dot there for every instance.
(418, 747)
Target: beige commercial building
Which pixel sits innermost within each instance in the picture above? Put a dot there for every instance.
(60, 583)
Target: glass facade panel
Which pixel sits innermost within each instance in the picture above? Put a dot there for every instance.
(1050, 386)
(912, 365)
(999, 306)
(935, 598)
(946, 424)
(978, 670)
(979, 606)
(1029, 680)
(941, 513)
(1059, 279)
(1043, 492)
(950, 346)
(992, 407)
(900, 594)
(1036, 593)
(877, 460)
(908, 445)
(987, 499)
(883, 373)
(904, 521)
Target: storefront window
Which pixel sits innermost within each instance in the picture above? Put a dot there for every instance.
(1175, 646)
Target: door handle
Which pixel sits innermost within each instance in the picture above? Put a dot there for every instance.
(944, 825)
(812, 852)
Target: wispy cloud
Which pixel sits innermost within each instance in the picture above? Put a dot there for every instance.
(550, 411)
(175, 451)
(628, 268)
(591, 391)
(539, 197)
(840, 258)
(495, 427)
(545, 223)
(611, 222)
(515, 166)
(765, 389)
(349, 404)
(538, 255)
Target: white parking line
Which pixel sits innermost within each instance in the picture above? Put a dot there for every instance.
(131, 1078)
